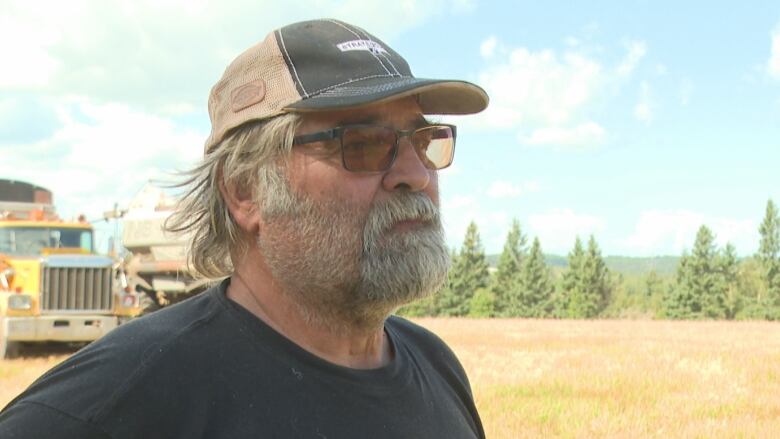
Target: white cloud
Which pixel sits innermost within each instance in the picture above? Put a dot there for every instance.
(644, 109)
(550, 95)
(152, 53)
(661, 230)
(29, 34)
(24, 45)
(773, 65)
(582, 136)
(636, 51)
(101, 154)
(558, 228)
(505, 189)
(488, 47)
(541, 87)
(540, 91)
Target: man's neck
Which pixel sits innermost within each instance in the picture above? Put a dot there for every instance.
(342, 343)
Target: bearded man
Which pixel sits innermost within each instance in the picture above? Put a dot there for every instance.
(317, 202)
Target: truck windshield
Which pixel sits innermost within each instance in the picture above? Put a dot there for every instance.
(31, 241)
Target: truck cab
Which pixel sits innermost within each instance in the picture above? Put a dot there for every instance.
(53, 285)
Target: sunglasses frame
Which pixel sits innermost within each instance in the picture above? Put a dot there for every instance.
(338, 133)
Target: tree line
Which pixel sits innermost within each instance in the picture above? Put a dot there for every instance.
(710, 283)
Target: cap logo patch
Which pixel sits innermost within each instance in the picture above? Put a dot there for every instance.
(247, 95)
(365, 45)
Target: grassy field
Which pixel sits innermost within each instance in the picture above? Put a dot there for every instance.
(595, 379)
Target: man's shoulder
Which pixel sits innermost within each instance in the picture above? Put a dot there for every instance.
(148, 338)
(171, 322)
(134, 355)
(430, 352)
(422, 340)
(419, 333)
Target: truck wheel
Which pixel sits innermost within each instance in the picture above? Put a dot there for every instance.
(8, 349)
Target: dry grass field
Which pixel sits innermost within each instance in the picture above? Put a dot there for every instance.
(621, 379)
(595, 379)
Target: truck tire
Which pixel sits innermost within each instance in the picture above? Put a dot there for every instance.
(8, 349)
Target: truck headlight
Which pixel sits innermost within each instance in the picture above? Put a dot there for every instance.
(19, 301)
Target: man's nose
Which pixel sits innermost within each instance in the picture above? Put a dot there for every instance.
(408, 171)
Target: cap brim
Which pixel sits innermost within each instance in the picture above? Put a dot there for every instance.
(436, 96)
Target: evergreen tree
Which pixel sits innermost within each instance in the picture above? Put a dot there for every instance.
(598, 284)
(445, 294)
(482, 304)
(653, 284)
(702, 286)
(535, 286)
(591, 284)
(505, 284)
(572, 282)
(419, 308)
(727, 286)
(469, 272)
(678, 301)
(753, 293)
(769, 253)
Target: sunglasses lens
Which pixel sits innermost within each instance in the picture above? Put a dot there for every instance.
(435, 146)
(372, 149)
(368, 149)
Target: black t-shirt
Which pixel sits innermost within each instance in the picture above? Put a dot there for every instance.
(208, 368)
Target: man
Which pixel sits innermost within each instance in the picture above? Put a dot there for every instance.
(317, 199)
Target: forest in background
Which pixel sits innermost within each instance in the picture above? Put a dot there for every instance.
(707, 282)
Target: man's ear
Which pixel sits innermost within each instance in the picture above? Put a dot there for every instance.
(241, 203)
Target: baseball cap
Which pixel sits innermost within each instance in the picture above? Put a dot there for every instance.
(325, 65)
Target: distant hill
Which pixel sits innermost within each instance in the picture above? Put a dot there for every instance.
(662, 265)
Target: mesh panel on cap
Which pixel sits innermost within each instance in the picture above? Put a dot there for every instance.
(262, 61)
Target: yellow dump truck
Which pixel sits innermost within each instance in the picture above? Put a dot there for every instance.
(53, 286)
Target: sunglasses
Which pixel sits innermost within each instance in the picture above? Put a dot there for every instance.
(372, 148)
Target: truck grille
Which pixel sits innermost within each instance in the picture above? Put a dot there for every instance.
(76, 289)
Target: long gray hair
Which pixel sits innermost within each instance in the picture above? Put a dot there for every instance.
(249, 159)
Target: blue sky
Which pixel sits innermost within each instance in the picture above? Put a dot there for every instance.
(633, 121)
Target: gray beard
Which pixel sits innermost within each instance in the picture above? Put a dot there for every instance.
(345, 269)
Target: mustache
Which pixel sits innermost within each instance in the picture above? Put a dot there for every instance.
(402, 206)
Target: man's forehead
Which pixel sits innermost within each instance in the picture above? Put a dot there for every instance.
(379, 119)
(402, 112)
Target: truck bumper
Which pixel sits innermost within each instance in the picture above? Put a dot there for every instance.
(58, 328)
